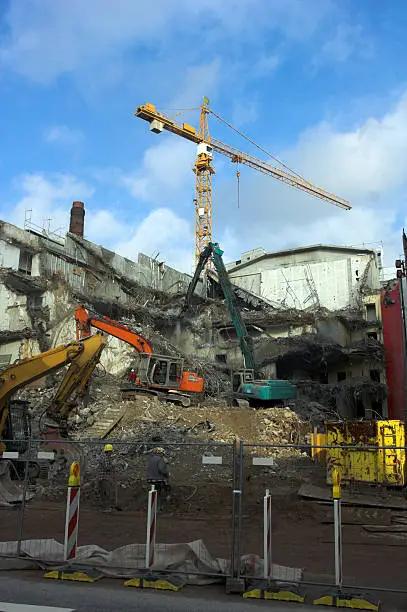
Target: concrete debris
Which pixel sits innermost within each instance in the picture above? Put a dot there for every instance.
(150, 422)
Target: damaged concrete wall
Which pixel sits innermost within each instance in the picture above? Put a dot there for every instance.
(89, 268)
(18, 349)
(321, 277)
(14, 311)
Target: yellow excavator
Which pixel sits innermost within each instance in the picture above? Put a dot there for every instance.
(15, 424)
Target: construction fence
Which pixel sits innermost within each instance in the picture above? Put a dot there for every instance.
(210, 521)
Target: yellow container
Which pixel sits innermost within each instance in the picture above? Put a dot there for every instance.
(318, 440)
(377, 465)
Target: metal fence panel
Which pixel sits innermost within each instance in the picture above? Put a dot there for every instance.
(197, 508)
(374, 515)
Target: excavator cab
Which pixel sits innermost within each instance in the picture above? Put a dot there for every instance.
(17, 428)
(159, 370)
(241, 377)
(163, 377)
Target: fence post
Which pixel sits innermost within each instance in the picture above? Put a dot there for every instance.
(72, 512)
(151, 526)
(233, 529)
(268, 564)
(336, 495)
(24, 499)
(234, 582)
(239, 492)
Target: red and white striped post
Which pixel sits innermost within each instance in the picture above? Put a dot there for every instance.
(151, 526)
(268, 564)
(336, 495)
(72, 512)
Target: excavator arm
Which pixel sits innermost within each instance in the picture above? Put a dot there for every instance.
(76, 378)
(214, 252)
(84, 323)
(29, 370)
(203, 259)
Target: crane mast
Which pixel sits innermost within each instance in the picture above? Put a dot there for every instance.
(203, 187)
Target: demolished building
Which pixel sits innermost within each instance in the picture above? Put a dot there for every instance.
(333, 350)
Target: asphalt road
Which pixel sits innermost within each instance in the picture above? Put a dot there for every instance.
(30, 589)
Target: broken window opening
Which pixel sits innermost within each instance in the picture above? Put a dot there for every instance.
(371, 312)
(375, 375)
(372, 335)
(360, 409)
(35, 302)
(377, 409)
(341, 376)
(220, 358)
(323, 378)
(25, 262)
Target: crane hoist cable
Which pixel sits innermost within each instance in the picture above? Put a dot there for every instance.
(238, 185)
(257, 145)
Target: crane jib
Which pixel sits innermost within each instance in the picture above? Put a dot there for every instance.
(204, 170)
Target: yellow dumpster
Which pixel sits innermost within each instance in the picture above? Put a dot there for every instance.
(377, 465)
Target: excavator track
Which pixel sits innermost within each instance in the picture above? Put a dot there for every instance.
(131, 394)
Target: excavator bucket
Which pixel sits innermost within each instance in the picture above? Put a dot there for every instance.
(10, 493)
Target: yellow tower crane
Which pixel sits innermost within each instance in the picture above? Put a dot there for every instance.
(204, 169)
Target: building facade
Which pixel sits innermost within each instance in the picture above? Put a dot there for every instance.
(318, 276)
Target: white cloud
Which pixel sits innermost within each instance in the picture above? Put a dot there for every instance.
(164, 235)
(166, 168)
(49, 198)
(48, 38)
(364, 163)
(368, 166)
(64, 135)
(102, 226)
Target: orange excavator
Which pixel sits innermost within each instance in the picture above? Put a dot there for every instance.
(158, 375)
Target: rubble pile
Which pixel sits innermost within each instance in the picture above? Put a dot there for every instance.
(312, 411)
(150, 422)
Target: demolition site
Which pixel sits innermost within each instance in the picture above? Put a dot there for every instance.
(272, 377)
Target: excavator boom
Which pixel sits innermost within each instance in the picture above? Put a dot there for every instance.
(247, 390)
(85, 321)
(214, 251)
(76, 379)
(159, 372)
(15, 429)
(29, 370)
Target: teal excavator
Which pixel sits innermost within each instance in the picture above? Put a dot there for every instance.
(248, 388)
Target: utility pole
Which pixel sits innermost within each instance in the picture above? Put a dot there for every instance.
(401, 267)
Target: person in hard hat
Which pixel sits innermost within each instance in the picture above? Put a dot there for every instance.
(132, 376)
(106, 478)
(158, 474)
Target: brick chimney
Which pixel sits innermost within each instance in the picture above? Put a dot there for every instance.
(77, 223)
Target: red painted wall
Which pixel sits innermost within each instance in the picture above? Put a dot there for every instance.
(393, 337)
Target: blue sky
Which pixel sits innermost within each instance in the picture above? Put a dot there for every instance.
(320, 83)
